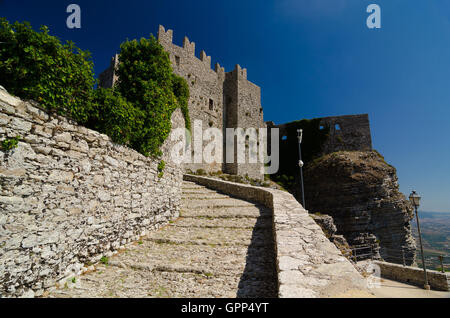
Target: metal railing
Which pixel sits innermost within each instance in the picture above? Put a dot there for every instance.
(430, 261)
(368, 251)
(364, 251)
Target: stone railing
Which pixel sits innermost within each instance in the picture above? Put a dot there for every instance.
(69, 196)
(308, 264)
(414, 275)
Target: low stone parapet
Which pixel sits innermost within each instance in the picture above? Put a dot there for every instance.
(414, 275)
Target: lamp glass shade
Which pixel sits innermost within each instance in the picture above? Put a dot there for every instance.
(300, 135)
(414, 198)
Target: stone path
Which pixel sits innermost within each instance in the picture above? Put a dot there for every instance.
(393, 289)
(218, 247)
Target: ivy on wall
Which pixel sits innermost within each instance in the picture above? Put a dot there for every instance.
(146, 79)
(10, 143)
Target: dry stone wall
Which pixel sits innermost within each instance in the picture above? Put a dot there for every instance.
(69, 196)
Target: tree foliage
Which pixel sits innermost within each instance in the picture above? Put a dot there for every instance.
(137, 112)
(35, 65)
(113, 115)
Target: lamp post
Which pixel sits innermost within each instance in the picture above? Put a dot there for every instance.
(300, 163)
(415, 201)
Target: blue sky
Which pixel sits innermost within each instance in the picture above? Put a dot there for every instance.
(312, 58)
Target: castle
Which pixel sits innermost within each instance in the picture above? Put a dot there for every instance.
(219, 99)
(223, 100)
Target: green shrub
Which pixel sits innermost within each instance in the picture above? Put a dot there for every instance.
(161, 167)
(181, 91)
(10, 143)
(201, 172)
(35, 65)
(114, 116)
(104, 260)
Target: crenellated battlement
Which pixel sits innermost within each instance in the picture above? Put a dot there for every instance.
(219, 69)
(166, 39)
(205, 58)
(188, 46)
(165, 36)
(239, 72)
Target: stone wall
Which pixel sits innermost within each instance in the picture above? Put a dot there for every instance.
(350, 133)
(69, 196)
(107, 78)
(414, 275)
(308, 264)
(346, 133)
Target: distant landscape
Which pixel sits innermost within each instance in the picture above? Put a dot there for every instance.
(435, 228)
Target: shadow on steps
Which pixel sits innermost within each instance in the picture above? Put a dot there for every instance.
(259, 279)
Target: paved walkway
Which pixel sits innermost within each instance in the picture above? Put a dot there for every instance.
(393, 289)
(218, 247)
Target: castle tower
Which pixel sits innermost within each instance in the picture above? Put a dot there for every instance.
(243, 110)
(108, 77)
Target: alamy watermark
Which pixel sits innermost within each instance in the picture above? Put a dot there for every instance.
(241, 145)
(74, 19)
(374, 19)
(371, 274)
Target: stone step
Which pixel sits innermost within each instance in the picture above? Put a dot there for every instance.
(188, 183)
(226, 212)
(210, 222)
(203, 196)
(184, 258)
(199, 190)
(113, 282)
(206, 236)
(215, 203)
(192, 186)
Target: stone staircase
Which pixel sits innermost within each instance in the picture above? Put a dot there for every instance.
(218, 247)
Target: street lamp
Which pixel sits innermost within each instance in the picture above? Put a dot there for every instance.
(300, 163)
(415, 201)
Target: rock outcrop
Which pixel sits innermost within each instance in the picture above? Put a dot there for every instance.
(360, 191)
(326, 222)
